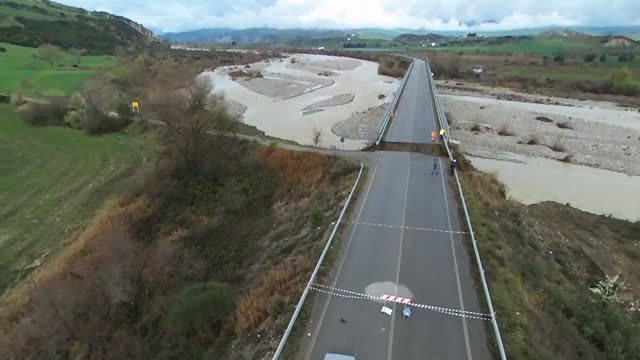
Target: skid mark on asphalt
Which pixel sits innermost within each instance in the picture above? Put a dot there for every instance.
(406, 227)
(348, 294)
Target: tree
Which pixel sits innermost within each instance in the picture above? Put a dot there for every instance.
(77, 53)
(603, 58)
(49, 53)
(316, 136)
(559, 59)
(623, 81)
(193, 117)
(589, 57)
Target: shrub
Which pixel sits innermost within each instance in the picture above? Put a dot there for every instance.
(476, 127)
(2, 49)
(564, 125)
(558, 146)
(558, 59)
(315, 216)
(200, 306)
(543, 119)
(505, 130)
(76, 119)
(44, 114)
(603, 58)
(5, 99)
(589, 57)
(534, 139)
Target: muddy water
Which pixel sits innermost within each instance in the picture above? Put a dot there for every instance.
(285, 119)
(589, 189)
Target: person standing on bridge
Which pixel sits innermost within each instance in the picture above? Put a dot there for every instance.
(435, 167)
(454, 162)
(442, 133)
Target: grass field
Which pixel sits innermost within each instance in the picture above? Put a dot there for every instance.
(53, 180)
(19, 71)
(537, 46)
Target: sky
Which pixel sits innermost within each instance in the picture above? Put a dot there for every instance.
(443, 15)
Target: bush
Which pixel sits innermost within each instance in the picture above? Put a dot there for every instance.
(476, 127)
(76, 119)
(5, 99)
(200, 306)
(589, 57)
(534, 139)
(98, 122)
(558, 59)
(45, 114)
(2, 49)
(558, 146)
(603, 58)
(626, 57)
(564, 125)
(315, 216)
(505, 130)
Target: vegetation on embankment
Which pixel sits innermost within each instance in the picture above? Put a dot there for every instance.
(53, 180)
(203, 257)
(542, 262)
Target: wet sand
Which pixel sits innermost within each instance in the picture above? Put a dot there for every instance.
(283, 117)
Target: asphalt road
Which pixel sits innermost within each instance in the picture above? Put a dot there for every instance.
(400, 241)
(413, 119)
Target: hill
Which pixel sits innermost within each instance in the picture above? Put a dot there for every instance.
(411, 39)
(34, 22)
(251, 36)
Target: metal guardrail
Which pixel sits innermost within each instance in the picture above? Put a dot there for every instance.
(442, 119)
(384, 122)
(287, 332)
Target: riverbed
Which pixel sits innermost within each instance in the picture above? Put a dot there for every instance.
(598, 191)
(295, 97)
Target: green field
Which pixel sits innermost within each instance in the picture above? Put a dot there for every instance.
(53, 180)
(539, 45)
(19, 71)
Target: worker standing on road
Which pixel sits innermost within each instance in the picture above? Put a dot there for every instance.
(442, 132)
(435, 167)
(454, 163)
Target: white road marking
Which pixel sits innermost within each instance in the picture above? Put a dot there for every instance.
(404, 218)
(455, 266)
(346, 252)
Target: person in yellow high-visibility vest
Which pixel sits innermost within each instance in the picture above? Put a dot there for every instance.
(442, 132)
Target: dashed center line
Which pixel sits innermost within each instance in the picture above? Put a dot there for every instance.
(406, 227)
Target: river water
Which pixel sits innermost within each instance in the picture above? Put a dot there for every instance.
(589, 189)
(284, 118)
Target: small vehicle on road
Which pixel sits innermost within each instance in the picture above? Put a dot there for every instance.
(329, 356)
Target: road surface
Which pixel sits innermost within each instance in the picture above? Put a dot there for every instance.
(401, 240)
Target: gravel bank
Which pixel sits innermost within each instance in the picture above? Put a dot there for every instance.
(361, 125)
(600, 135)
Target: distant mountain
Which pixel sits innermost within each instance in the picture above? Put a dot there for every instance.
(412, 39)
(251, 36)
(35, 22)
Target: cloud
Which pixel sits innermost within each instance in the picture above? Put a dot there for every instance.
(169, 15)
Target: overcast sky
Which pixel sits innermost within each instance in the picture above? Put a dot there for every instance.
(181, 15)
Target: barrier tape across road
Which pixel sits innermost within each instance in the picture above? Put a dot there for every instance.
(348, 294)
